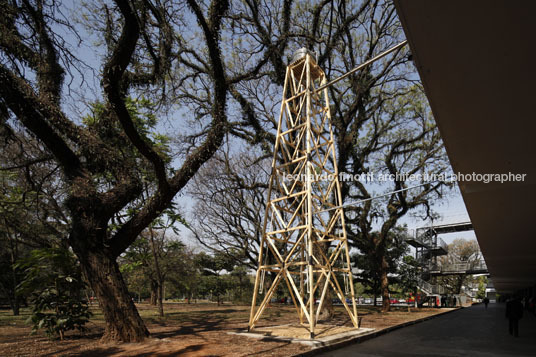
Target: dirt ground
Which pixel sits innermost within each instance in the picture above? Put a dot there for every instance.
(186, 330)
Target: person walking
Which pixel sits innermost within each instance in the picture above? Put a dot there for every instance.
(514, 312)
(486, 302)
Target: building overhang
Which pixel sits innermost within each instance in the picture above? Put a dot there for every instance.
(477, 61)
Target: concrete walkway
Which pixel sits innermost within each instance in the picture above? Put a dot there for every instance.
(472, 331)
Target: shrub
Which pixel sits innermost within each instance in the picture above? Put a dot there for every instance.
(53, 278)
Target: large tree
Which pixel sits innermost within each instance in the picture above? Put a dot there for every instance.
(146, 52)
(368, 259)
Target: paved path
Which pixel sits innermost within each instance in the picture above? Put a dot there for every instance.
(472, 331)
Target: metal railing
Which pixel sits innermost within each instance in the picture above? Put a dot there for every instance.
(460, 267)
(426, 239)
(430, 288)
(443, 245)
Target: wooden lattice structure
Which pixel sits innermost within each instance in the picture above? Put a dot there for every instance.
(304, 242)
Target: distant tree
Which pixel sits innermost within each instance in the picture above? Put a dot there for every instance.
(241, 285)
(184, 276)
(408, 273)
(164, 251)
(465, 253)
(10, 276)
(482, 284)
(359, 289)
(373, 263)
(30, 215)
(150, 261)
(213, 280)
(230, 203)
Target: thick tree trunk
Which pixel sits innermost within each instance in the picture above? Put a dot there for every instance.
(123, 323)
(386, 302)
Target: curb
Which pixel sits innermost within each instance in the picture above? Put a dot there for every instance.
(369, 336)
(322, 342)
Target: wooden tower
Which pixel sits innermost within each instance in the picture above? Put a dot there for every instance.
(304, 239)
